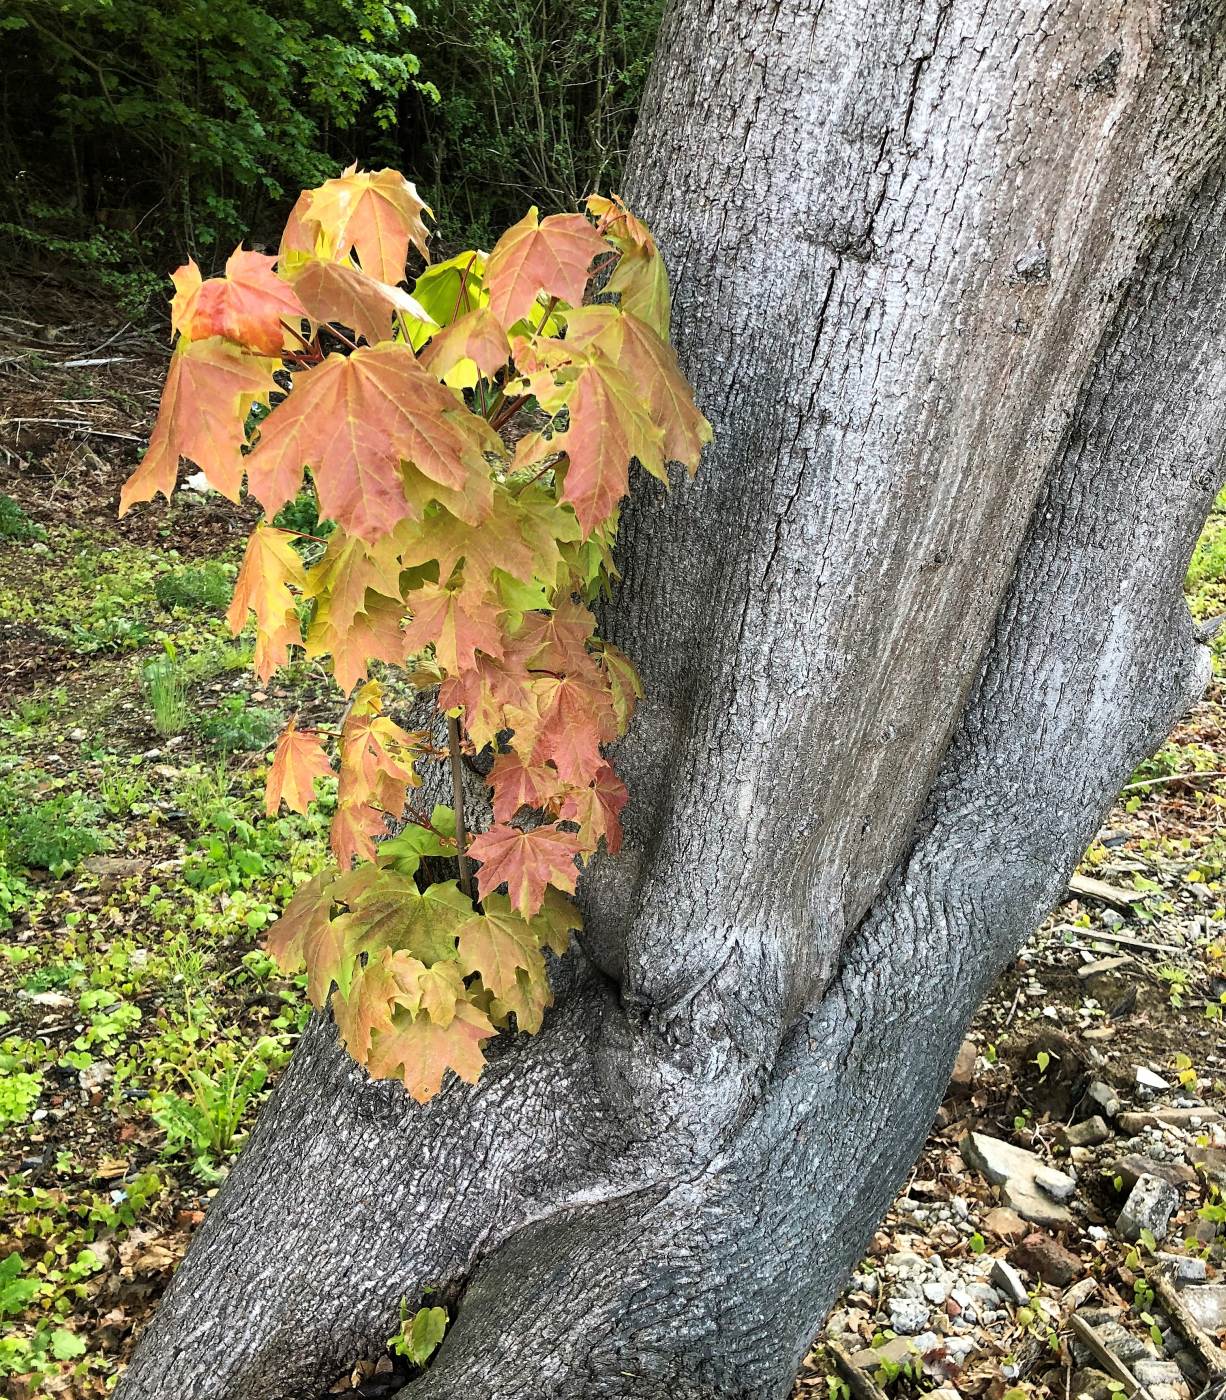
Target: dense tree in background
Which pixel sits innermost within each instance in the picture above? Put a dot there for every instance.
(949, 283)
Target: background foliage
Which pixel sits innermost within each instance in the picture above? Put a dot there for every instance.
(131, 130)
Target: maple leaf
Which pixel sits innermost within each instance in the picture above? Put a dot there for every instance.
(526, 862)
(421, 1052)
(354, 829)
(498, 542)
(625, 687)
(209, 390)
(477, 336)
(596, 810)
(349, 569)
(559, 916)
(298, 761)
(484, 692)
(372, 635)
(651, 365)
(373, 996)
(455, 623)
(518, 784)
(575, 718)
(330, 949)
(640, 278)
(557, 641)
(270, 565)
(376, 214)
(609, 425)
(498, 943)
(527, 997)
(340, 292)
(310, 906)
(394, 913)
(550, 255)
(246, 306)
(353, 420)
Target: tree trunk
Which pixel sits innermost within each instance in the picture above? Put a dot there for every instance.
(949, 283)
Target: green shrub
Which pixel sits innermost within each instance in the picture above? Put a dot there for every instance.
(196, 586)
(15, 524)
(55, 834)
(241, 728)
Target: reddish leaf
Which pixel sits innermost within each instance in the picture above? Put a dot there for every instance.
(551, 256)
(518, 784)
(246, 306)
(456, 625)
(526, 862)
(353, 420)
(576, 717)
(651, 366)
(373, 997)
(299, 760)
(485, 691)
(210, 387)
(597, 810)
(372, 635)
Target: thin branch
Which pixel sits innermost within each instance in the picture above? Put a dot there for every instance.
(1174, 778)
(457, 794)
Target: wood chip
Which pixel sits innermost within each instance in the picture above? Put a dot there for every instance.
(1089, 888)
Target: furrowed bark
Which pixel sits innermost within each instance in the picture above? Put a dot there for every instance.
(950, 285)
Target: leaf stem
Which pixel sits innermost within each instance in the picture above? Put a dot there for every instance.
(457, 796)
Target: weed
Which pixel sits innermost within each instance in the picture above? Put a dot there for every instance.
(241, 728)
(55, 834)
(15, 524)
(164, 685)
(197, 586)
(122, 787)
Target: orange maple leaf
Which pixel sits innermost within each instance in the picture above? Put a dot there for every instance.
(340, 292)
(270, 565)
(549, 255)
(210, 387)
(420, 1051)
(353, 420)
(298, 761)
(477, 336)
(246, 306)
(596, 810)
(650, 364)
(518, 784)
(526, 862)
(609, 425)
(375, 213)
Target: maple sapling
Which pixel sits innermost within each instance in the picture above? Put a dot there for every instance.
(464, 554)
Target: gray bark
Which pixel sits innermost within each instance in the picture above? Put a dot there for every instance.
(949, 283)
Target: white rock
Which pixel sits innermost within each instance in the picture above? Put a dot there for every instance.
(1009, 1282)
(1147, 1079)
(1056, 1184)
(907, 1315)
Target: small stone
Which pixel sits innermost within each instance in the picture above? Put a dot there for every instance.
(898, 1351)
(907, 1315)
(937, 1290)
(1147, 1079)
(1088, 1133)
(1009, 1282)
(866, 1283)
(1058, 1185)
(1207, 1304)
(77, 736)
(1135, 1165)
(1046, 1259)
(1004, 1223)
(1149, 1206)
(1091, 1384)
(1187, 1268)
(1154, 1372)
(964, 1065)
(1104, 1096)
